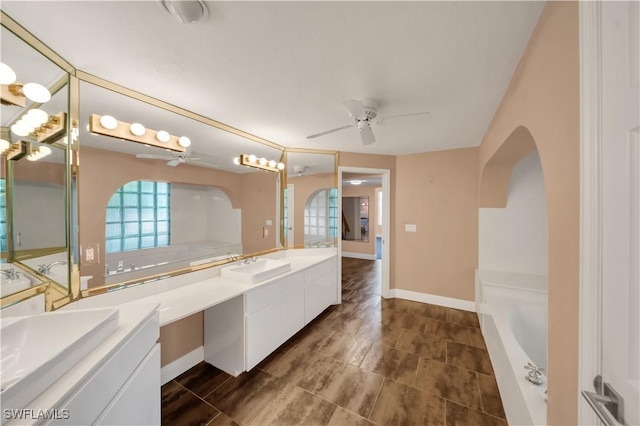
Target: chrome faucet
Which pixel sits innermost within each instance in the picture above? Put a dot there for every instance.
(250, 259)
(11, 274)
(534, 375)
(45, 269)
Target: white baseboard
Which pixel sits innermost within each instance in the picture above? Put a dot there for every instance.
(182, 364)
(359, 255)
(449, 302)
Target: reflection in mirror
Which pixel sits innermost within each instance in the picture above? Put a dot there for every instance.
(33, 218)
(311, 200)
(145, 210)
(355, 219)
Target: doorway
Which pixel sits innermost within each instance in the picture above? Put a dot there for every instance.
(377, 222)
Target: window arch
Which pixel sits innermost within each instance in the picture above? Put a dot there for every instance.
(321, 216)
(138, 216)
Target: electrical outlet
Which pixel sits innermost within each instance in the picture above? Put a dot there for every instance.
(90, 254)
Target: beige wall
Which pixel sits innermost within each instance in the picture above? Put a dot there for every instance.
(438, 192)
(303, 187)
(39, 171)
(369, 247)
(181, 337)
(543, 97)
(102, 172)
(258, 203)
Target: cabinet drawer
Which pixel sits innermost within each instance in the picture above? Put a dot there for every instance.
(267, 294)
(314, 272)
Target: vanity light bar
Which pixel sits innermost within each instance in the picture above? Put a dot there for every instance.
(260, 163)
(18, 150)
(136, 132)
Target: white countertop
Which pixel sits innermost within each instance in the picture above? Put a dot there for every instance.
(185, 301)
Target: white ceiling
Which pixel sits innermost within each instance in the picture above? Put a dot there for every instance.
(280, 70)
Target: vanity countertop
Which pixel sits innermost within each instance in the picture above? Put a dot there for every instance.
(185, 301)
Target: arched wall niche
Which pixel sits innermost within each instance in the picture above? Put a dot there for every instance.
(496, 173)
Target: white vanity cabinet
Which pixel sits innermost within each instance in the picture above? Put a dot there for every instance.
(275, 312)
(124, 387)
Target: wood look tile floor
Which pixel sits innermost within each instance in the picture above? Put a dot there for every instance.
(368, 361)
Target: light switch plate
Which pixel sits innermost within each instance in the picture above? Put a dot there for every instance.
(269, 222)
(409, 227)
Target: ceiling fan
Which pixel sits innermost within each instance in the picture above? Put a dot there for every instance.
(177, 159)
(363, 115)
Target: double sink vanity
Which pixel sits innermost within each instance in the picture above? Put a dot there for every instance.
(105, 367)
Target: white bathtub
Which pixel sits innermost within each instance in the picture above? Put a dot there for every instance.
(513, 316)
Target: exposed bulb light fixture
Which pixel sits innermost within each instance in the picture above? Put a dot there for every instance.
(163, 136)
(258, 163)
(184, 141)
(7, 75)
(137, 129)
(36, 92)
(186, 11)
(18, 130)
(108, 122)
(39, 153)
(36, 117)
(4, 146)
(107, 125)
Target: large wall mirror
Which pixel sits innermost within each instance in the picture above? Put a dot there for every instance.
(145, 210)
(311, 217)
(33, 182)
(355, 219)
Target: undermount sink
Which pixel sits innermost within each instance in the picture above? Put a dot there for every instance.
(256, 271)
(37, 350)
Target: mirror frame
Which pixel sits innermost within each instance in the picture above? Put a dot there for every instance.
(56, 295)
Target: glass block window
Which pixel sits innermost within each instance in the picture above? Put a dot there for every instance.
(321, 214)
(3, 215)
(138, 216)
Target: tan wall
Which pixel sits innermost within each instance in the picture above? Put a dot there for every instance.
(181, 337)
(259, 205)
(438, 192)
(303, 187)
(543, 96)
(39, 171)
(358, 246)
(373, 161)
(102, 172)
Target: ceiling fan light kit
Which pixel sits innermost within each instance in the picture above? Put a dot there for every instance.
(107, 125)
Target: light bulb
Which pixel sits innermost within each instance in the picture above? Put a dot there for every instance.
(280, 166)
(263, 161)
(272, 164)
(137, 129)
(4, 145)
(36, 92)
(184, 141)
(38, 116)
(163, 136)
(252, 158)
(19, 130)
(108, 122)
(236, 161)
(32, 157)
(44, 150)
(356, 182)
(7, 75)
(26, 125)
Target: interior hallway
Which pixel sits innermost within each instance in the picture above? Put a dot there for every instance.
(367, 361)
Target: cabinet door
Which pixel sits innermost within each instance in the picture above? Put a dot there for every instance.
(138, 401)
(270, 326)
(318, 295)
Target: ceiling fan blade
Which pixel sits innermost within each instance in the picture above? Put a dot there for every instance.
(366, 134)
(356, 109)
(326, 132)
(173, 163)
(402, 117)
(155, 157)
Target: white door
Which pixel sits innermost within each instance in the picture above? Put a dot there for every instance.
(290, 215)
(620, 208)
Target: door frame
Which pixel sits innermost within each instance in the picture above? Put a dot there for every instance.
(591, 218)
(386, 221)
